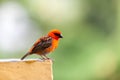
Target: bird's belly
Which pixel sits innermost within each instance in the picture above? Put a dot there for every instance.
(52, 47)
(49, 49)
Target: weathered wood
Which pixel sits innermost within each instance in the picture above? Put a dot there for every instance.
(26, 70)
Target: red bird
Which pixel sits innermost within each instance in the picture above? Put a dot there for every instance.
(45, 44)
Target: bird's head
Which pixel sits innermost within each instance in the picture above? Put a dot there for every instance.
(56, 34)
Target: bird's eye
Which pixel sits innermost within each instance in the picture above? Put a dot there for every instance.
(56, 34)
(59, 35)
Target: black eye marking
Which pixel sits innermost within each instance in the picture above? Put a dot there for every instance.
(59, 35)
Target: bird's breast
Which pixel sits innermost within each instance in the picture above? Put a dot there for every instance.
(53, 46)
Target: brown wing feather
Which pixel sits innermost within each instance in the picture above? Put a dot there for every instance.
(42, 44)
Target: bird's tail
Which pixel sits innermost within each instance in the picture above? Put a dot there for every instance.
(25, 55)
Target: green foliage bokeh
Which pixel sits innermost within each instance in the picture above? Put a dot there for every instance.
(90, 47)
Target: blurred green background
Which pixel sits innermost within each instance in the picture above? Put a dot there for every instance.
(90, 49)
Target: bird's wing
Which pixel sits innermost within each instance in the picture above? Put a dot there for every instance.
(41, 44)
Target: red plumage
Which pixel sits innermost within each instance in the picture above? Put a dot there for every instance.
(45, 45)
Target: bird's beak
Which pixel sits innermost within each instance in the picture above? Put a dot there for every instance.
(61, 36)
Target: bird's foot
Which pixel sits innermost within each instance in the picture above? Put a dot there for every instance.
(48, 59)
